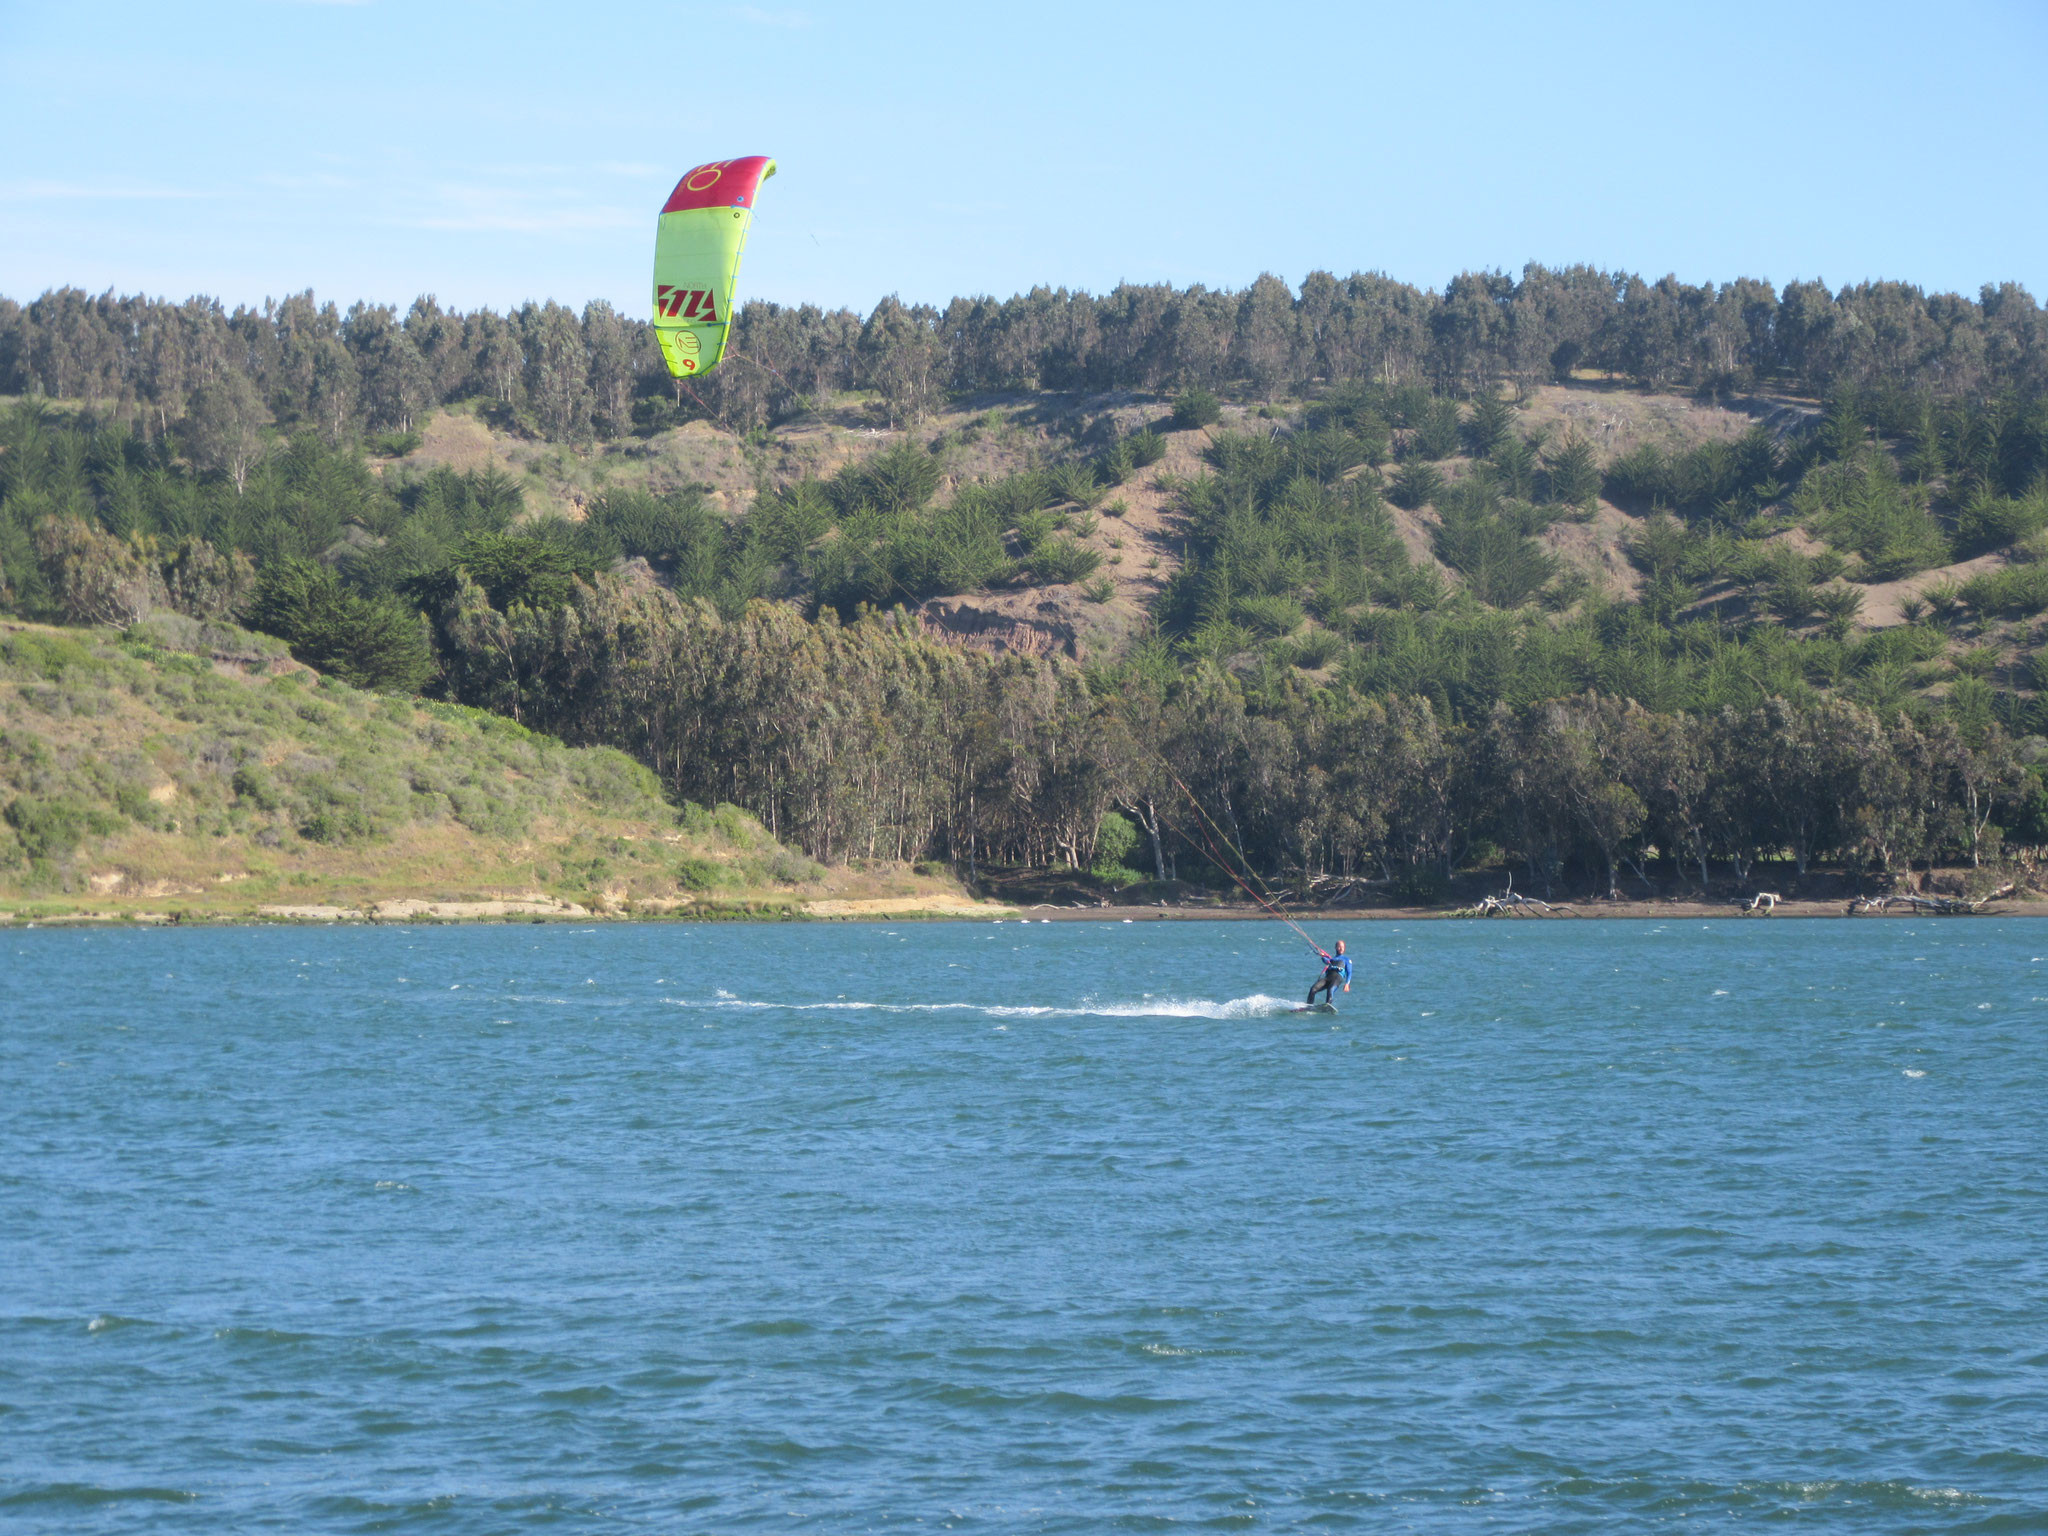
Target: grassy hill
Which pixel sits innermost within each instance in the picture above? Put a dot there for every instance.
(196, 770)
(1138, 530)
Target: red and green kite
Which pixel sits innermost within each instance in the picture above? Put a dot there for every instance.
(697, 246)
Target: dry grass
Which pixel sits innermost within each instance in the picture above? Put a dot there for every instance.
(135, 780)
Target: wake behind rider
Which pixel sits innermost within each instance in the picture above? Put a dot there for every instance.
(1336, 968)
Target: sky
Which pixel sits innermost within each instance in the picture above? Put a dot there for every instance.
(496, 153)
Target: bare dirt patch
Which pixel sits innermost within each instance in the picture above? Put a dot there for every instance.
(1617, 417)
(1598, 548)
(893, 906)
(1884, 601)
(457, 441)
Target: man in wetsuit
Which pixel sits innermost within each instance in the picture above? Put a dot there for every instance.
(1336, 968)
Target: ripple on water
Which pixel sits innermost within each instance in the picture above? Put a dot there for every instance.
(1541, 1237)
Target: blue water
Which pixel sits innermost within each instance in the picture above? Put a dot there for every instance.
(1556, 1226)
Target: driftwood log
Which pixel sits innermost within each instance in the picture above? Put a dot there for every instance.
(1511, 904)
(1935, 906)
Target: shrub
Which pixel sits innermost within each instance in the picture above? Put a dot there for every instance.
(1491, 425)
(97, 578)
(205, 584)
(49, 656)
(678, 532)
(653, 414)
(1435, 431)
(1116, 465)
(49, 829)
(1639, 479)
(2016, 589)
(394, 445)
(1075, 483)
(1946, 600)
(1100, 590)
(1501, 567)
(1839, 605)
(1272, 615)
(698, 874)
(1196, 407)
(1014, 495)
(1571, 474)
(1989, 521)
(1865, 508)
(1062, 559)
(1116, 839)
(902, 478)
(522, 570)
(367, 642)
(788, 867)
(1792, 601)
(1978, 661)
(252, 784)
(787, 522)
(1034, 528)
(1417, 485)
(1318, 648)
(1147, 447)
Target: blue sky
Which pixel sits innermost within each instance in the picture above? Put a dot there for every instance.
(491, 153)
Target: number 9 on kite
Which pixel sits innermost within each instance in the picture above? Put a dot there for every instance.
(697, 246)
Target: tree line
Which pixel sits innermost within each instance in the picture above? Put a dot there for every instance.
(1379, 721)
(870, 739)
(571, 375)
(1291, 565)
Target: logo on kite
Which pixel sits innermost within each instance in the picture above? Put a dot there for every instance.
(695, 304)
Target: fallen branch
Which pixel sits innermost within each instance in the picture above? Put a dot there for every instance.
(1512, 904)
(1933, 906)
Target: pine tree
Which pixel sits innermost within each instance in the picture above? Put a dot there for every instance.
(1572, 474)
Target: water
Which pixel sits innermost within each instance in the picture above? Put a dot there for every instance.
(1556, 1226)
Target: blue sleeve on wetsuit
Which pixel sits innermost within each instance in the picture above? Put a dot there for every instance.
(1347, 970)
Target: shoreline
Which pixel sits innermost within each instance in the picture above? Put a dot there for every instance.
(420, 913)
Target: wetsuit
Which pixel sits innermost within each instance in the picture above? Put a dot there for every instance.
(1336, 968)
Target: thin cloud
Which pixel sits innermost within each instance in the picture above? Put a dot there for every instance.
(788, 21)
(87, 192)
(315, 183)
(526, 223)
(480, 210)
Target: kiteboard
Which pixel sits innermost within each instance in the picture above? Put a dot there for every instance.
(1316, 1008)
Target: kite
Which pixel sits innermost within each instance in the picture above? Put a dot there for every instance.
(697, 246)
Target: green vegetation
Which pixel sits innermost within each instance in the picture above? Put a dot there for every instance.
(141, 769)
(1380, 562)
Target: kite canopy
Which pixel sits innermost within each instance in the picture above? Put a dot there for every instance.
(697, 245)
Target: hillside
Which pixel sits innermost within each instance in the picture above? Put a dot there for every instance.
(1374, 587)
(992, 436)
(196, 771)
(1137, 530)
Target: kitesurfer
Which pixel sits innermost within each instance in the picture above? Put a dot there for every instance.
(1336, 968)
